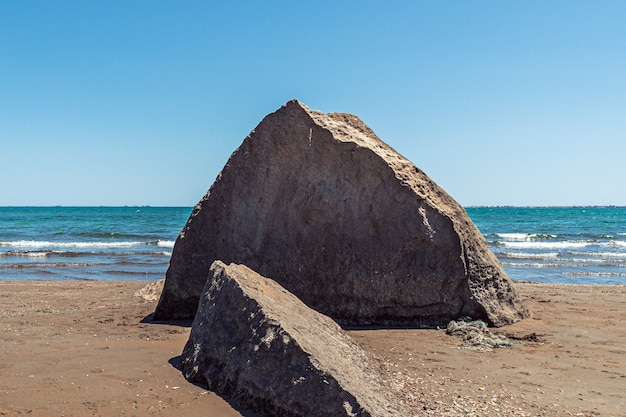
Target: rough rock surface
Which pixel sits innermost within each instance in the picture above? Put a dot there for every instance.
(319, 203)
(258, 344)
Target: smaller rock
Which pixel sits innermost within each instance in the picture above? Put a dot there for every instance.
(255, 342)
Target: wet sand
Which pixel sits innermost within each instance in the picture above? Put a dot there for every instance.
(80, 348)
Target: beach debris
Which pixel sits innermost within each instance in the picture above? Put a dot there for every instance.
(257, 344)
(151, 291)
(335, 215)
(476, 335)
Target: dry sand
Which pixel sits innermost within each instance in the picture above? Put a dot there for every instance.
(81, 348)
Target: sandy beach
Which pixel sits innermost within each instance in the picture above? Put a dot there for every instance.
(78, 348)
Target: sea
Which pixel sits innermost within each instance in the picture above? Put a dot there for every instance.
(88, 243)
(564, 245)
(567, 245)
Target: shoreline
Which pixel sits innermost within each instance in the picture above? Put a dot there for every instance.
(74, 348)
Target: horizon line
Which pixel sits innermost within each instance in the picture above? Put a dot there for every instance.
(193, 205)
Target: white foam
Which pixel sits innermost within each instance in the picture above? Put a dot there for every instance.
(524, 236)
(526, 255)
(546, 245)
(617, 243)
(35, 254)
(592, 273)
(28, 254)
(513, 236)
(531, 265)
(604, 254)
(46, 244)
(596, 261)
(166, 243)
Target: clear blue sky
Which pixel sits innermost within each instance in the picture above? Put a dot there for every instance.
(142, 102)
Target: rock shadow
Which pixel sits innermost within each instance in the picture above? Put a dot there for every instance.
(175, 362)
(149, 319)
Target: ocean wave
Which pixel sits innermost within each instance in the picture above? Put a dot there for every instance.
(48, 265)
(554, 260)
(597, 261)
(594, 273)
(526, 255)
(571, 264)
(128, 273)
(617, 243)
(525, 236)
(567, 244)
(532, 264)
(108, 235)
(602, 254)
(28, 254)
(166, 243)
(49, 244)
(78, 254)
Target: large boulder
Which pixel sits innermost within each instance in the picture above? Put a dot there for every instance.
(319, 203)
(257, 344)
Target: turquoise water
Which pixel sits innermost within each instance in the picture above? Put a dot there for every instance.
(558, 245)
(98, 243)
